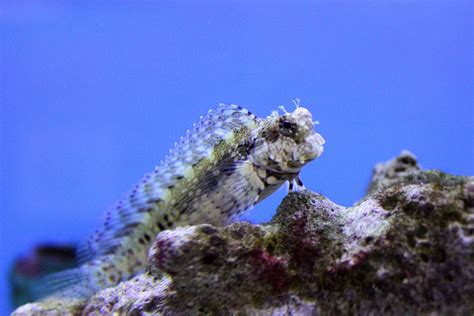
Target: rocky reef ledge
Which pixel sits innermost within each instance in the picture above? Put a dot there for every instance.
(406, 248)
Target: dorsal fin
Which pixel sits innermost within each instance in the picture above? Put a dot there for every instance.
(197, 144)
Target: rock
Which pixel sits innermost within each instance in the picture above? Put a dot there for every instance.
(403, 168)
(406, 248)
(52, 307)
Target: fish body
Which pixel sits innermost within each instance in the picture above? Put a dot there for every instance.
(229, 161)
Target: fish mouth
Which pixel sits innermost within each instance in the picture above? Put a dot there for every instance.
(316, 142)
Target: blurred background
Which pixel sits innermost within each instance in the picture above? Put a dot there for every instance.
(93, 95)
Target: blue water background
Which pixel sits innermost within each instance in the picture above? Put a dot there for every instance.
(94, 95)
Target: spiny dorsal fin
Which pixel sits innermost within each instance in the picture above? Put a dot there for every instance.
(197, 144)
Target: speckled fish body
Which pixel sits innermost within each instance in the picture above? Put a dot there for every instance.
(229, 161)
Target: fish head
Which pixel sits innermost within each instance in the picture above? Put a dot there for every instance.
(285, 143)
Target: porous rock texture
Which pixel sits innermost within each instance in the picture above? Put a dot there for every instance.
(406, 248)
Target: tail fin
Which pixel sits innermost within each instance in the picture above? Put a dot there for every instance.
(73, 283)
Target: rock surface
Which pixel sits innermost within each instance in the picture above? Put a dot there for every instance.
(406, 248)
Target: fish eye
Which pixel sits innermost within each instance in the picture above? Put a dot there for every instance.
(286, 125)
(287, 128)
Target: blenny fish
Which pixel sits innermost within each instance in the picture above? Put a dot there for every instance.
(227, 162)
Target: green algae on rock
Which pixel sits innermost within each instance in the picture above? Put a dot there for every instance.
(406, 248)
